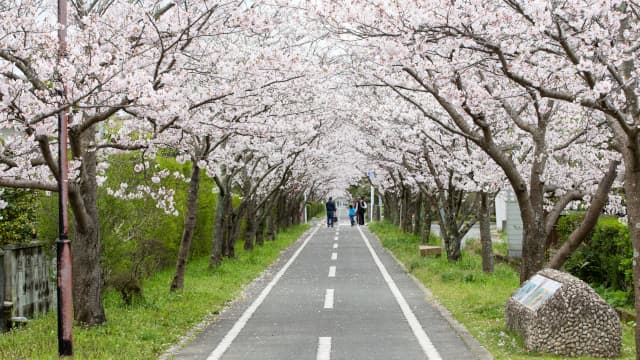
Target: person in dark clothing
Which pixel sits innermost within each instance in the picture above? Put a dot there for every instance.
(361, 208)
(331, 212)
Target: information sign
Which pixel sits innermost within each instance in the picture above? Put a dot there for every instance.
(536, 291)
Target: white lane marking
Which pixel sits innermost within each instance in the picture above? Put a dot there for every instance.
(332, 271)
(416, 327)
(335, 246)
(324, 348)
(334, 256)
(242, 321)
(328, 299)
(335, 238)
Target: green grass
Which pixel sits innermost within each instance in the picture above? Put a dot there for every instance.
(145, 330)
(475, 299)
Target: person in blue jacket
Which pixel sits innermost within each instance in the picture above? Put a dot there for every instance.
(331, 211)
(352, 215)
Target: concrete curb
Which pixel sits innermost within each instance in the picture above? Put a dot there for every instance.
(476, 348)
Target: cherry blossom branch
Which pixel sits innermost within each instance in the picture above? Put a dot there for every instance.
(43, 143)
(591, 217)
(25, 68)
(28, 184)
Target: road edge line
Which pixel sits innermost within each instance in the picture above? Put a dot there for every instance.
(227, 340)
(476, 348)
(416, 327)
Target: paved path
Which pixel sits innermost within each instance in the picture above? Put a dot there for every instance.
(335, 295)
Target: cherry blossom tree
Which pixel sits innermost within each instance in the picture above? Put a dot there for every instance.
(121, 56)
(403, 51)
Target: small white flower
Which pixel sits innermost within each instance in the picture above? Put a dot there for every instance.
(155, 179)
(603, 87)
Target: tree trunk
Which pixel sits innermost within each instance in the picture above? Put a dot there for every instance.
(218, 230)
(189, 228)
(390, 208)
(632, 193)
(236, 225)
(402, 210)
(533, 242)
(590, 220)
(250, 234)
(428, 219)
(485, 233)
(417, 229)
(86, 247)
(452, 245)
(270, 227)
(260, 232)
(228, 246)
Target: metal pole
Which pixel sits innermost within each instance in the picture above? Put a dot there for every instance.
(372, 204)
(305, 208)
(63, 245)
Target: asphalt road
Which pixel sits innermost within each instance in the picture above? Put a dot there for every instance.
(336, 294)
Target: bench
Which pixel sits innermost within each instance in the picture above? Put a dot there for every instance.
(430, 250)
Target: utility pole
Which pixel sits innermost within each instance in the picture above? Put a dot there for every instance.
(63, 245)
(372, 202)
(305, 208)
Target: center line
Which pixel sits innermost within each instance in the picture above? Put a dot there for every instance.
(332, 271)
(335, 238)
(324, 348)
(335, 246)
(328, 299)
(334, 256)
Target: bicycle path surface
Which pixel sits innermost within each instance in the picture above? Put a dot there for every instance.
(335, 294)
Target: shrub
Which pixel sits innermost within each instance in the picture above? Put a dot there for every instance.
(138, 238)
(17, 216)
(315, 208)
(567, 223)
(604, 259)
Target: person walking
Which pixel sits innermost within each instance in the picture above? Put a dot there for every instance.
(361, 208)
(331, 211)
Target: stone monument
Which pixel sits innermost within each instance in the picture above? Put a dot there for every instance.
(557, 313)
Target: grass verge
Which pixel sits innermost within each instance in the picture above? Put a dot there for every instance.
(474, 298)
(146, 329)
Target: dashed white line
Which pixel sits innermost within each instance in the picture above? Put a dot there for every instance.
(242, 321)
(334, 256)
(332, 271)
(328, 299)
(335, 238)
(416, 327)
(324, 348)
(335, 246)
